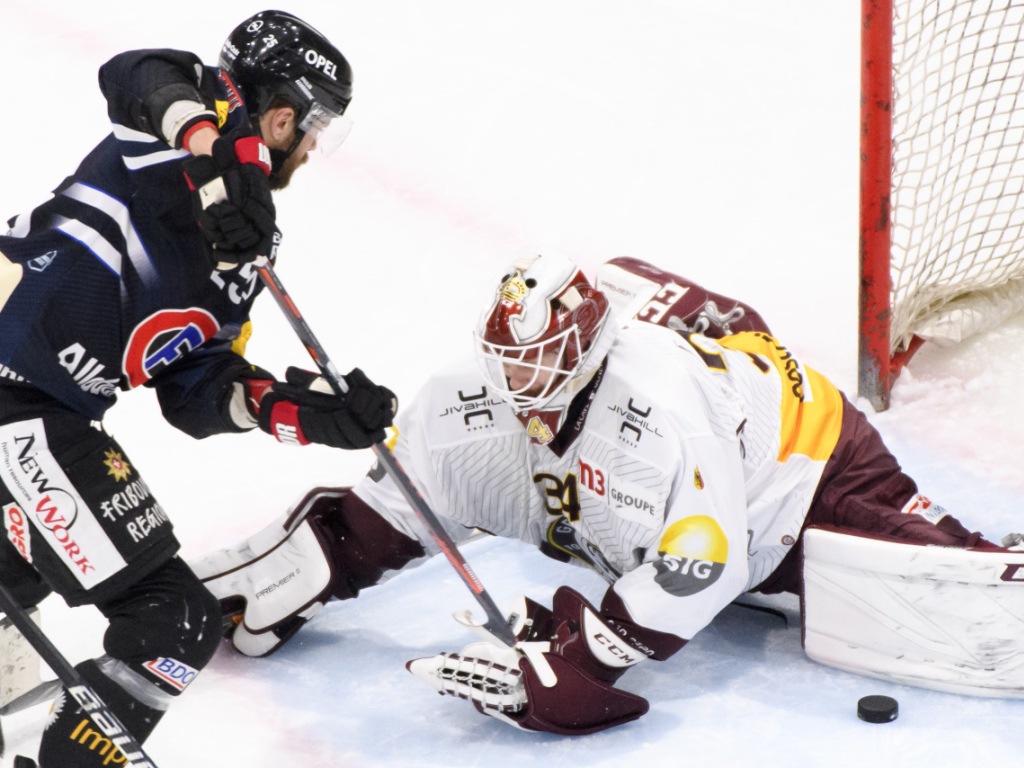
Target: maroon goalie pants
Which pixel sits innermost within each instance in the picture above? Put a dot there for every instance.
(863, 490)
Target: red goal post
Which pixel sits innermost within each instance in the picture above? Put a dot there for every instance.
(942, 177)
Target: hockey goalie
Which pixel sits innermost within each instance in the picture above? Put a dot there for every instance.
(659, 434)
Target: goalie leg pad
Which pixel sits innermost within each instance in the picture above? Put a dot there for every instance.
(19, 667)
(273, 582)
(943, 618)
(330, 544)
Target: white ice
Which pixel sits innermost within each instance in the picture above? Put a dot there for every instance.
(716, 139)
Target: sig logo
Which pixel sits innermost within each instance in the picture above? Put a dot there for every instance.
(173, 672)
(693, 555)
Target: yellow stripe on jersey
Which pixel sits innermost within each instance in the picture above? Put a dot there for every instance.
(812, 408)
(239, 344)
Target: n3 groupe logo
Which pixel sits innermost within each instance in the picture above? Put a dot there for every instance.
(163, 338)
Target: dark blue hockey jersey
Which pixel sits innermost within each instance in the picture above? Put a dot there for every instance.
(110, 284)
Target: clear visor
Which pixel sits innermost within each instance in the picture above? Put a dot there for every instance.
(327, 129)
(527, 377)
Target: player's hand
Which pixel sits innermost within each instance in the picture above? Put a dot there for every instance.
(304, 409)
(558, 678)
(231, 196)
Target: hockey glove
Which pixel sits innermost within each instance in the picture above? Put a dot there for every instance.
(305, 409)
(558, 677)
(231, 196)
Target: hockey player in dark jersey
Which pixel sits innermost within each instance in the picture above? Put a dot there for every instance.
(139, 271)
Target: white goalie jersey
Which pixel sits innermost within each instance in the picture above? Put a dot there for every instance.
(687, 480)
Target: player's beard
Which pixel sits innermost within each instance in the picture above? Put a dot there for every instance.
(280, 180)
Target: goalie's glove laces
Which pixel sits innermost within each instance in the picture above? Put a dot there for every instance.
(476, 676)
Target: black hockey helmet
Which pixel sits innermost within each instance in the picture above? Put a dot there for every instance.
(276, 54)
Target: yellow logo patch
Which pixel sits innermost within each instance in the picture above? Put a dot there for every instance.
(539, 431)
(222, 113)
(118, 466)
(514, 289)
(698, 481)
(693, 555)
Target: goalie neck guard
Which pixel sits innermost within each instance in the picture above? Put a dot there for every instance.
(542, 339)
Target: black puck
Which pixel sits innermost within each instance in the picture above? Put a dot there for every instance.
(878, 709)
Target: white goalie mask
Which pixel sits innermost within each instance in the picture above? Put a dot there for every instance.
(543, 336)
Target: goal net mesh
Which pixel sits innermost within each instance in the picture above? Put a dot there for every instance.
(957, 201)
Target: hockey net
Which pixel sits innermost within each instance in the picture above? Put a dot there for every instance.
(955, 186)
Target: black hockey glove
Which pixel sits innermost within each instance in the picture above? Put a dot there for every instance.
(306, 410)
(231, 196)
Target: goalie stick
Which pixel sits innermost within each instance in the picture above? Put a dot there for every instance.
(86, 697)
(496, 624)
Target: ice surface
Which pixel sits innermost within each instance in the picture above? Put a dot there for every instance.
(715, 139)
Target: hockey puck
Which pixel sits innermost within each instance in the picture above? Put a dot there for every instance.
(878, 709)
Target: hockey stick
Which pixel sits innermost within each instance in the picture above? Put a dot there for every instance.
(496, 624)
(86, 697)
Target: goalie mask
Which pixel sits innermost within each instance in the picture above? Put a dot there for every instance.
(542, 339)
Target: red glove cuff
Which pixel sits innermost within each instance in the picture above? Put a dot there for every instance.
(255, 389)
(251, 149)
(284, 424)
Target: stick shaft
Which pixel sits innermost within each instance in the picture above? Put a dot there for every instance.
(86, 697)
(496, 621)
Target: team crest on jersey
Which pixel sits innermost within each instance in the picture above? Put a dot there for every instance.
(693, 555)
(698, 481)
(118, 466)
(164, 337)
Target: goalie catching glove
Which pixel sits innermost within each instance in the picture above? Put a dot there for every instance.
(231, 196)
(558, 678)
(304, 409)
